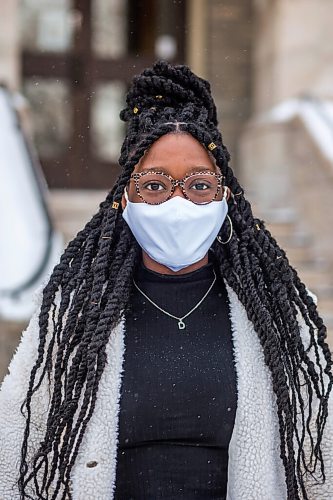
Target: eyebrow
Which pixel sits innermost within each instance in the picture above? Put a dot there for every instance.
(198, 168)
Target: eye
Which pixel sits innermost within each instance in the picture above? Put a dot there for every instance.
(200, 185)
(154, 186)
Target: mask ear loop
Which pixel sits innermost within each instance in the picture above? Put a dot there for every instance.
(225, 193)
(219, 239)
(126, 194)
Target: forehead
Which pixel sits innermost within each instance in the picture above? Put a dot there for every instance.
(176, 152)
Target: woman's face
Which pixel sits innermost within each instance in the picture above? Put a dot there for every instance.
(176, 155)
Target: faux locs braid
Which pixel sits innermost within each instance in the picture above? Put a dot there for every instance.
(89, 291)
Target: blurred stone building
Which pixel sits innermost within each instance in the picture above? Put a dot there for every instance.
(270, 66)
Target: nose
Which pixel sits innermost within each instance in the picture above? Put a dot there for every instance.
(178, 192)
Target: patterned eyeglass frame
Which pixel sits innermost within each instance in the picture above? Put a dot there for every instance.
(177, 182)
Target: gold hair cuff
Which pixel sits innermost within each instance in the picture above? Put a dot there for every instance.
(258, 227)
(158, 97)
(115, 205)
(135, 110)
(212, 146)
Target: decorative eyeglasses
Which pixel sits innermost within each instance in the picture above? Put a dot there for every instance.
(155, 187)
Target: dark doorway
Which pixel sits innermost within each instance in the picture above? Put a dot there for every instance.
(76, 83)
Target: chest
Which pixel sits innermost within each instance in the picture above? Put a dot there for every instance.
(178, 384)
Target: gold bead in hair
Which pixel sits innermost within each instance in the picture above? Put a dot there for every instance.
(212, 146)
(115, 205)
(158, 96)
(135, 110)
(258, 227)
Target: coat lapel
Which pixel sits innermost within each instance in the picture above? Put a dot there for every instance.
(255, 470)
(94, 471)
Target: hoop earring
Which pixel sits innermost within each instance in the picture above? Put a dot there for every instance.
(231, 231)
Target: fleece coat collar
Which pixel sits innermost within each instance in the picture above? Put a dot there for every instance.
(255, 469)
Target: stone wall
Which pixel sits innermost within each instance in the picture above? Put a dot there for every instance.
(292, 57)
(293, 50)
(287, 175)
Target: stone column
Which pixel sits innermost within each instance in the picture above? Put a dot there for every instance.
(10, 44)
(229, 58)
(197, 37)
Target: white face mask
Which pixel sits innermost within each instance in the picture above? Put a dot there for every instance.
(176, 233)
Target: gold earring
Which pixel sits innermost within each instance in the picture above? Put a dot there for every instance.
(219, 239)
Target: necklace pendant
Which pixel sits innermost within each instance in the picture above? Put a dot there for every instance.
(181, 325)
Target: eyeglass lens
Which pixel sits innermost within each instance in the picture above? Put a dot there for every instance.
(157, 188)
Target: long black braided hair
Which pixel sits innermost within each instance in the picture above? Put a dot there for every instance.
(89, 291)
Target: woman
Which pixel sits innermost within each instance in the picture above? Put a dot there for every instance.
(175, 352)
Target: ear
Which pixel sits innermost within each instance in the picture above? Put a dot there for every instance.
(123, 202)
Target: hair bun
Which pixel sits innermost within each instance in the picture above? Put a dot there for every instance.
(169, 86)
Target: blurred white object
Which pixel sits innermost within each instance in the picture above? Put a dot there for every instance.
(166, 47)
(29, 247)
(317, 115)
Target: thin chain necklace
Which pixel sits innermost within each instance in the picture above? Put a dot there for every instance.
(181, 324)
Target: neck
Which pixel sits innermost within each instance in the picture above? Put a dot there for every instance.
(160, 268)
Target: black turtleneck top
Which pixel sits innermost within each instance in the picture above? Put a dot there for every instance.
(178, 395)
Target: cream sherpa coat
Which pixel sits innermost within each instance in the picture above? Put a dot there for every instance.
(255, 467)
